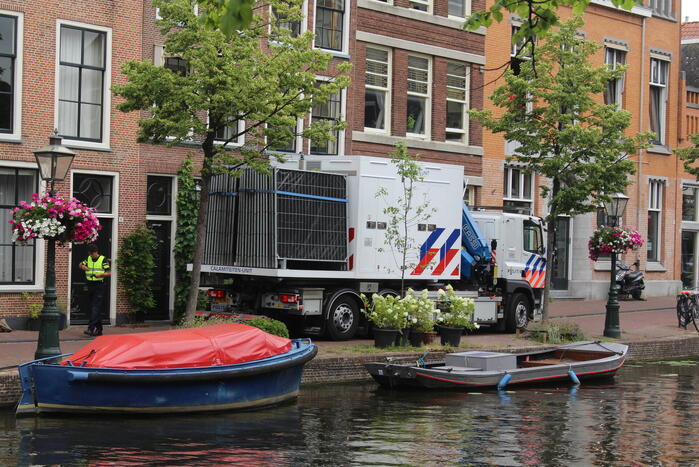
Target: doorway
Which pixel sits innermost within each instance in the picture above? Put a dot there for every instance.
(79, 302)
(161, 274)
(559, 271)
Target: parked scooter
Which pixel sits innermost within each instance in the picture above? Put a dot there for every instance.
(630, 282)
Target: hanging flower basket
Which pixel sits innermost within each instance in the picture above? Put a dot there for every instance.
(609, 240)
(54, 217)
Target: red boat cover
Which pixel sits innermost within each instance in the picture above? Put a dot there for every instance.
(221, 344)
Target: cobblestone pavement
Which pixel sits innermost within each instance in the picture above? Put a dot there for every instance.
(654, 318)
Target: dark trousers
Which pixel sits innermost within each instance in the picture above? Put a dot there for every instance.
(95, 294)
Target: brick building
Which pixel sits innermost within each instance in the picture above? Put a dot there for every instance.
(415, 73)
(647, 40)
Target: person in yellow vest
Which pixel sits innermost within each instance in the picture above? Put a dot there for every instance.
(96, 268)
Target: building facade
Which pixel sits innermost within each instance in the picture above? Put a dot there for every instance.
(415, 74)
(646, 39)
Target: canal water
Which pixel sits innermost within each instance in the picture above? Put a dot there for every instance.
(648, 416)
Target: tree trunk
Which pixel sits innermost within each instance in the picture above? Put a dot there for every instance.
(201, 229)
(550, 244)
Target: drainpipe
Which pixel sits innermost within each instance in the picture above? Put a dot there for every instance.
(641, 129)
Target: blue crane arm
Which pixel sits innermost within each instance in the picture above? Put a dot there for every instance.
(475, 248)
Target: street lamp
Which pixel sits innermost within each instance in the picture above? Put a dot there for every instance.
(614, 209)
(54, 161)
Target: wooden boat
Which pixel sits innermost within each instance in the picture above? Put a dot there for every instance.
(221, 367)
(476, 369)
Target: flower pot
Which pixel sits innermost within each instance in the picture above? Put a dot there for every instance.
(416, 338)
(428, 337)
(385, 337)
(402, 338)
(450, 336)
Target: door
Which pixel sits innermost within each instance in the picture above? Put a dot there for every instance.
(559, 271)
(161, 274)
(79, 303)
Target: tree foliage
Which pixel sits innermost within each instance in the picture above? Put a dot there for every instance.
(254, 84)
(561, 129)
(136, 265)
(227, 15)
(689, 155)
(538, 16)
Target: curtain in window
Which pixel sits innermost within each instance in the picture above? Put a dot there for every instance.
(374, 108)
(456, 8)
(653, 234)
(655, 113)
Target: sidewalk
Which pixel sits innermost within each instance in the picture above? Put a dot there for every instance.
(654, 318)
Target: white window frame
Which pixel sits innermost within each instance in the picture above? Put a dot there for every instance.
(426, 3)
(344, 53)
(239, 142)
(388, 90)
(655, 204)
(39, 245)
(428, 101)
(16, 134)
(465, 102)
(106, 86)
(695, 194)
(621, 81)
(304, 21)
(656, 80)
(466, 11)
(299, 143)
(343, 118)
(520, 196)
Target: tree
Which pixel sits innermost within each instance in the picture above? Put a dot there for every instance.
(185, 234)
(562, 130)
(402, 212)
(689, 155)
(538, 16)
(227, 15)
(254, 84)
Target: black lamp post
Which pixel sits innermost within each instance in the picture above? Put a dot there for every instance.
(614, 209)
(54, 161)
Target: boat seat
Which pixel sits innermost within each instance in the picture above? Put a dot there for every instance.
(459, 369)
(545, 362)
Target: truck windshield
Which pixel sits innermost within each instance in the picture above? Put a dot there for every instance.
(532, 237)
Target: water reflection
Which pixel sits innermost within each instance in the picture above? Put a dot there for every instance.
(648, 417)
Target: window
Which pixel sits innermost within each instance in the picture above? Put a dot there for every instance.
(517, 189)
(655, 203)
(418, 108)
(377, 91)
(18, 260)
(176, 65)
(689, 203)
(292, 144)
(459, 8)
(81, 81)
(281, 21)
(159, 196)
(330, 22)
(330, 111)
(224, 134)
(614, 89)
(532, 237)
(95, 191)
(658, 96)
(8, 74)
(420, 5)
(516, 46)
(662, 8)
(457, 102)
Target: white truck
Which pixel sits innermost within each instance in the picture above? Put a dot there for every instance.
(303, 243)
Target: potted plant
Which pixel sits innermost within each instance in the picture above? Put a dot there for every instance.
(33, 312)
(456, 315)
(609, 240)
(421, 311)
(387, 314)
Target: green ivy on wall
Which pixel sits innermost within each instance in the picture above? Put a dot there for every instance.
(136, 264)
(185, 234)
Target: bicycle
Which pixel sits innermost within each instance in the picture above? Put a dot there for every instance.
(688, 309)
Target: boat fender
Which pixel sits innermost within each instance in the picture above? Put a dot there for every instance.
(573, 377)
(77, 376)
(504, 380)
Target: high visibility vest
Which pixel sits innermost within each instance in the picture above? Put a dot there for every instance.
(95, 267)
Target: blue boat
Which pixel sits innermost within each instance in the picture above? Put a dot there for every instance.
(74, 386)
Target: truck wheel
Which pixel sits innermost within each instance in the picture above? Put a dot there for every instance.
(517, 316)
(343, 319)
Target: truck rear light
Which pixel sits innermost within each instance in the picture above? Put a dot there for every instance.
(286, 298)
(216, 293)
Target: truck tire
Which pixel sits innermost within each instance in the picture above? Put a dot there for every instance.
(518, 311)
(342, 318)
